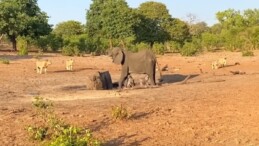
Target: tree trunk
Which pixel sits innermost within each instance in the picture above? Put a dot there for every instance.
(151, 44)
(14, 42)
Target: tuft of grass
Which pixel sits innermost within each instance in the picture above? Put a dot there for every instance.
(247, 53)
(37, 133)
(4, 61)
(41, 103)
(120, 112)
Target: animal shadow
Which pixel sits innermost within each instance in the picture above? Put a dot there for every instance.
(74, 88)
(120, 140)
(174, 78)
(139, 115)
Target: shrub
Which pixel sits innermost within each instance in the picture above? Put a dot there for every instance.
(120, 112)
(140, 46)
(22, 46)
(158, 48)
(247, 53)
(71, 51)
(37, 133)
(191, 48)
(5, 61)
(55, 131)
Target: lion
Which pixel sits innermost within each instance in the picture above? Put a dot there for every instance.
(222, 62)
(129, 82)
(144, 82)
(69, 64)
(42, 64)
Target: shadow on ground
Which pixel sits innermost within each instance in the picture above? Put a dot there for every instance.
(174, 78)
(120, 140)
(74, 88)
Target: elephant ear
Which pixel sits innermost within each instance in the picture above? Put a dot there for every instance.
(118, 57)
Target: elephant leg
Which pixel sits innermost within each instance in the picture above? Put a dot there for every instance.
(152, 74)
(124, 74)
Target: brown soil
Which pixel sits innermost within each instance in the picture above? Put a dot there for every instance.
(213, 107)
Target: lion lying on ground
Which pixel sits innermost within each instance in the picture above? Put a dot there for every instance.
(69, 64)
(42, 64)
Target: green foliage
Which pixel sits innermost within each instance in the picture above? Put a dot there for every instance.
(191, 48)
(22, 45)
(109, 19)
(120, 112)
(211, 41)
(73, 136)
(173, 46)
(55, 42)
(158, 48)
(4, 60)
(247, 53)
(140, 46)
(68, 28)
(71, 50)
(22, 18)
(37, 133)
(152, 27)
(55, 132)
(178, 30)
(41, 103)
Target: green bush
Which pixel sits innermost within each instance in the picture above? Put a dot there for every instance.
(191, 48)
(158, 48)
(71, 51)
(120, 112)
(22, 45)
(172, 46)
(247, 53)
(5, 61)
(140, 46)
(54, 131)
(55, 42)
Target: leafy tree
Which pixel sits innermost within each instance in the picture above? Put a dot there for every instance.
(154, 18)
(231, 18)
(251, 17)
(68, 28)
(198, 28)
(109, 19)
(178, 30)
(22, 18)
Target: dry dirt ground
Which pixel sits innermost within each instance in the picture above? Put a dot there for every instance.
(214, 107)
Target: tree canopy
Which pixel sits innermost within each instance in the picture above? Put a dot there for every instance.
(22, 18)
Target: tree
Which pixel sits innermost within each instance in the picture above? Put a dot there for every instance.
(178, 30)
(22, 18)
(231, 18)
(69, 28)
(110, 19)
(154, 18)
(252, 17)
(198, 28)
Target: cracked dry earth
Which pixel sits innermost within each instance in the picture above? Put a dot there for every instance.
(213, 107)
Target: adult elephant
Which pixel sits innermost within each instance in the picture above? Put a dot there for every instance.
(142, 62)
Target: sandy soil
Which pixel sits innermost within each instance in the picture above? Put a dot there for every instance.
(214, 107)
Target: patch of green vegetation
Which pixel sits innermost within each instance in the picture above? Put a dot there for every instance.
(54, 132)
(120, 112)
(4, 61)
(247, 53)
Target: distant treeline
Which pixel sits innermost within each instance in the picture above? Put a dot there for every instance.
(112, 23)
